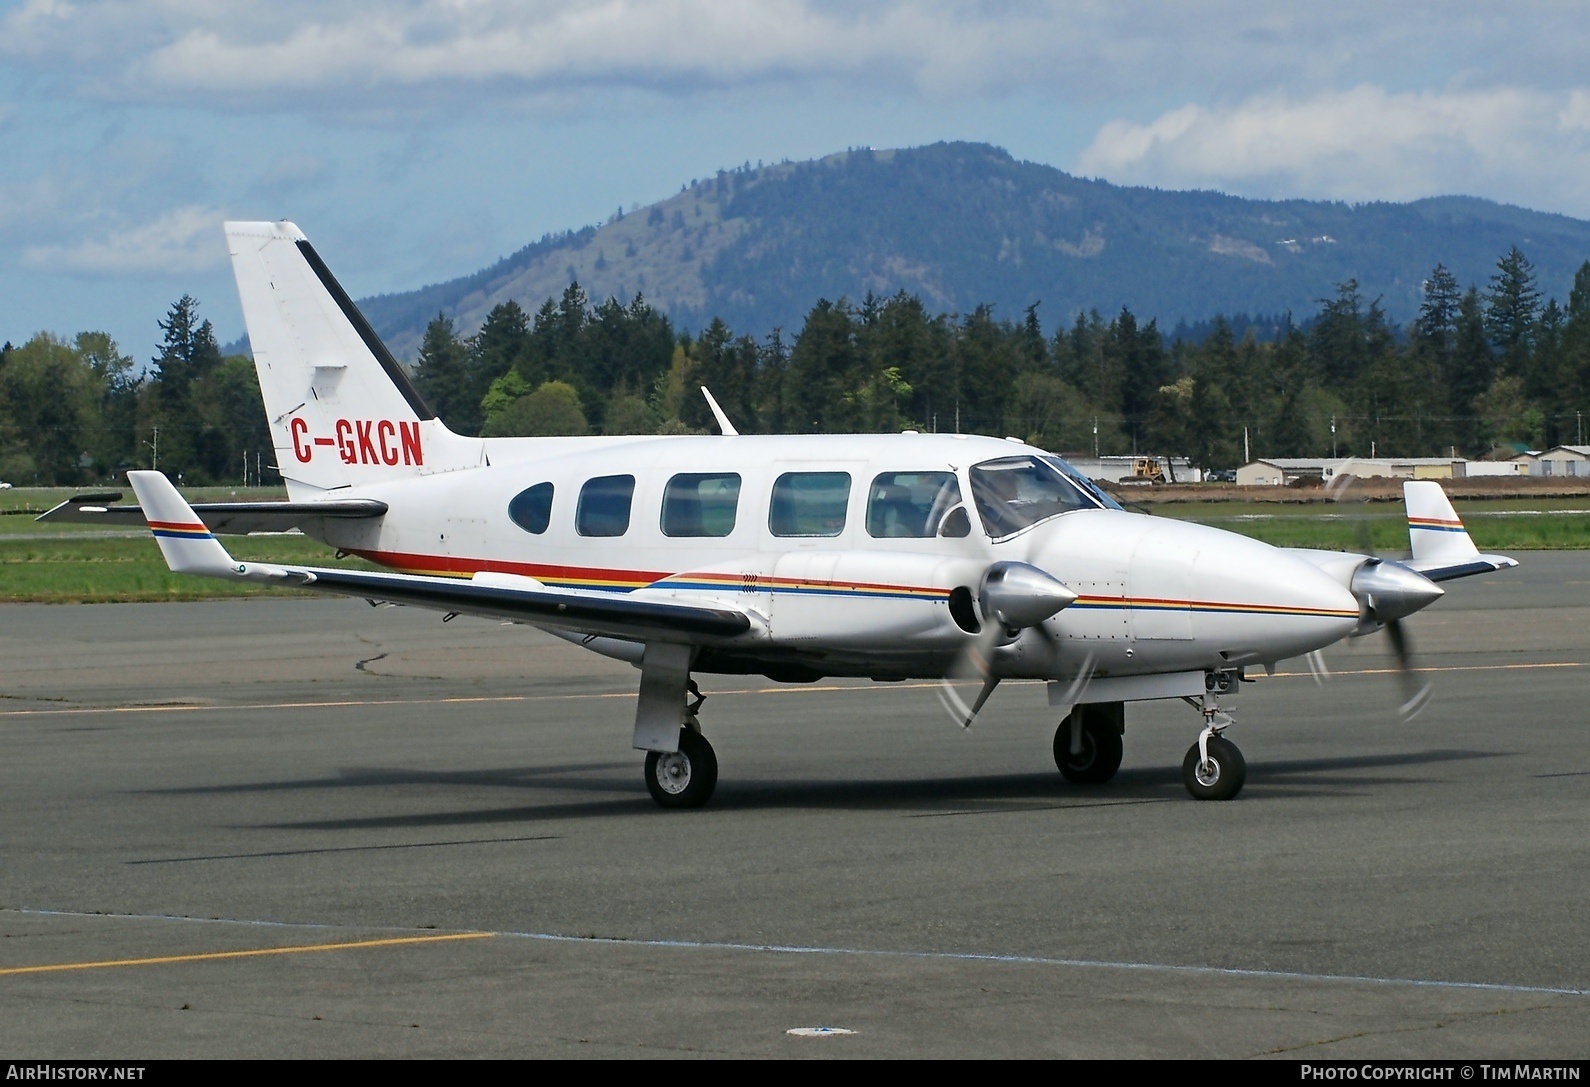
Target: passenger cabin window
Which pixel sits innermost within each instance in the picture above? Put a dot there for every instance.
(809, 504)
(531, 509)
(700, 504)
(604, 506)
(1014, 492)
(910, 505)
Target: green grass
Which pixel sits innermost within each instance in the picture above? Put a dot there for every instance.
(1536, 524)
(74, 563)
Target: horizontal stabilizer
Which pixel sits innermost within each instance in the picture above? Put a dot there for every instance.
(226, 518)
(190, 548)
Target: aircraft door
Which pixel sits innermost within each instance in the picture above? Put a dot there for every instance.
(811, 510)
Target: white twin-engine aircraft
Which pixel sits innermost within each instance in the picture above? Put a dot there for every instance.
(889, 556)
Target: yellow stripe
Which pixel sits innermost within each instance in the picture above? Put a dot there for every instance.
(163, 960)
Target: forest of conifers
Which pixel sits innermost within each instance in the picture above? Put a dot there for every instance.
(1482, 366)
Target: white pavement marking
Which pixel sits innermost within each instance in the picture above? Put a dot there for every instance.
(855, 952)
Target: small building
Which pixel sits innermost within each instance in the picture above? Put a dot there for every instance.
(1476, 469)
(1280, 471)
(1561, 460)
(1113, 467)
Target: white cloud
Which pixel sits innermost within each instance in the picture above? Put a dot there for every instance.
(1517, 144)
(186, 239)
(360, 53)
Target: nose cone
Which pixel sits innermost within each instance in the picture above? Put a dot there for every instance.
(1019, 595)
(1389, 590)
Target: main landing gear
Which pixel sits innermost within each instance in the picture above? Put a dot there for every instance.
(684, 778)
(1088, 744)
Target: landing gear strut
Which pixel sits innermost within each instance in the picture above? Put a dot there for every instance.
(1087, 745)
(684, 778)
(1214, 769)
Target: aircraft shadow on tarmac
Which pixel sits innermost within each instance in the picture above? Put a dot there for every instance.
(923, 797)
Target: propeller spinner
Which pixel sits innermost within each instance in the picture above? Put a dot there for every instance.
(1013, 597)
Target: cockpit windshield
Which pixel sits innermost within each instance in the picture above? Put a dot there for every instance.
(1093, 490)
(1014, 492)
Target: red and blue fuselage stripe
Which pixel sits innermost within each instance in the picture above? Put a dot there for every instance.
(623, 581)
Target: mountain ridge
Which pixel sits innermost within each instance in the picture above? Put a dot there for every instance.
(964, 224)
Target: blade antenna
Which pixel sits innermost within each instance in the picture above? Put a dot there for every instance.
(724, 426)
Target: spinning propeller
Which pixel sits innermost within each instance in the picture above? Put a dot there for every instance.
(1387, 592)
(1012, 597)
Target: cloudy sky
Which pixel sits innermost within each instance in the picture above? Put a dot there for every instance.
(415, 140)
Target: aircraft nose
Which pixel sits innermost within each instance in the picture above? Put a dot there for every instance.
(1283, 605)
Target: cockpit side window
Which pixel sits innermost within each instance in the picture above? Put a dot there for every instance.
(531, 508)
(700, 504)
(910, 505)
(809, 504)
(604, 506)
(1090, 488)
(1014, 492)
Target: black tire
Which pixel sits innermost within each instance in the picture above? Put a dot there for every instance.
(684, 779)
(1099, 758)
(1222, 779)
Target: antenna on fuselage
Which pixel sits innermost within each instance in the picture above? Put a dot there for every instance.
(726, 427)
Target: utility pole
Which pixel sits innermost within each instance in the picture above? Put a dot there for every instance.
(1246, 457)
(154, 461)
(1095, 437)
(1333, 437)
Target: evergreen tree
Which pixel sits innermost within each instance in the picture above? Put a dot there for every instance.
(1473, 370)
(1575, 395)
(1511, 308)
(824, 371)
(1338, 342)
(443, 377)
(492, 352)
(188, 354)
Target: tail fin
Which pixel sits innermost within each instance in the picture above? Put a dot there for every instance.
(1441, 545)
(342, 410)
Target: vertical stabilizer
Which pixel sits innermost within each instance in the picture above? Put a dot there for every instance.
(1441, 545)
(342, 410)
(1434, 531)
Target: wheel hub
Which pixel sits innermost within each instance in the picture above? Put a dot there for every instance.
(673, 772)
(1208, 772)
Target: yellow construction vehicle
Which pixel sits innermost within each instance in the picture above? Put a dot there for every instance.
(1148, 469)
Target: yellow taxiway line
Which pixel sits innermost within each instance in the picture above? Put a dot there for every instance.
(252, 953)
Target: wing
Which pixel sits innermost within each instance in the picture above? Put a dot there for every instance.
(1442, 549)
(190, 547)
(233, 518)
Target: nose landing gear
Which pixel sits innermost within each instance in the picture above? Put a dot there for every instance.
(1214, 768)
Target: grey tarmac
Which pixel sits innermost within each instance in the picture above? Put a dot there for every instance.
(299, 827)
